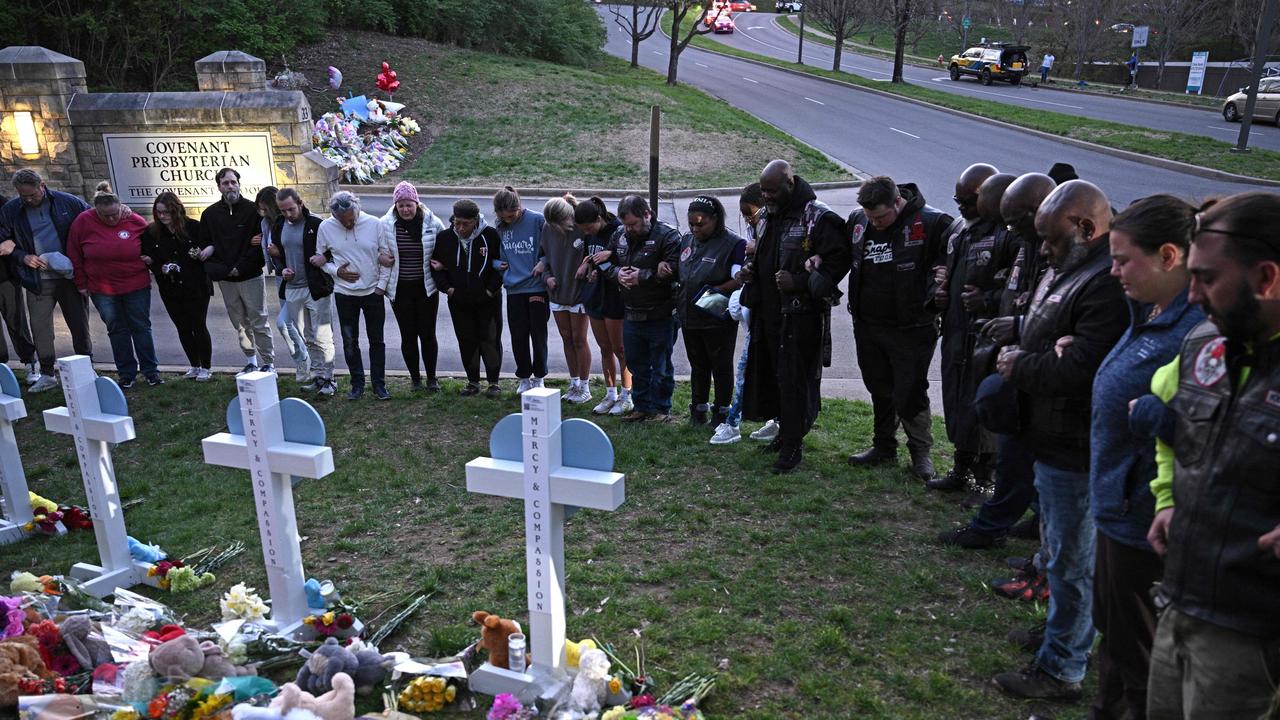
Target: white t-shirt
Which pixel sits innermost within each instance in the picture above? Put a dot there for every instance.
(358, 249)
(1048, 61)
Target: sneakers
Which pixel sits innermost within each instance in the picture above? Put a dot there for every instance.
(1036, 684)
(327, 388)
(635, 416)
(874, 455)
(44, 383)
(356, 392)
(433, 386)
(956, 479)
(726, 434)
(415, 385)
(605, 405)
(380, 392)
(525, 384)
(248, 368)
(1027, 586)
(205, 375)
(494, 390)
(268, 368)
(536, 383)
(33, 372)
(127, 384)
(470, 389)
(968, 538)
(623, 405)
(768, 432)
(577, 395)
(788, 459)
(313, 385)
(154, 380)
(191, 374)
(302, 373)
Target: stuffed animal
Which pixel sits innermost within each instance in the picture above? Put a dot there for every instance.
(140, 683)
(245, 711)
(19, 660)
(216, 666)
(88, 648)
(573, 651)
(180, 658)
(371, 666)
(591, 684)
(337, 704)
(494, 632)
(317, 673)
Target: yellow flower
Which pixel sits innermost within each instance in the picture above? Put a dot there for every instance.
(309, 620)
(615, 685)
(450, 693)
(327, 618)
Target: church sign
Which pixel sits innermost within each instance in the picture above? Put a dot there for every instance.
(143, 165)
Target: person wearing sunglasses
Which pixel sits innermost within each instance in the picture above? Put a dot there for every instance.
(1081, 300)
(1216, 651)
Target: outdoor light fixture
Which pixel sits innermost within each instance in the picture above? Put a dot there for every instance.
(27, 141)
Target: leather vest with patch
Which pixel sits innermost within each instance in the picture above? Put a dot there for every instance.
(913, 280)
(794, 245)
(1226, 486)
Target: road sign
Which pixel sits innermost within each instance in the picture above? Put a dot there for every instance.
(1140, 36)
(967, 23)
(1195, 79)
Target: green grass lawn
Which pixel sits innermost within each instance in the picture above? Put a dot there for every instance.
(1192, 149)
(821, 592)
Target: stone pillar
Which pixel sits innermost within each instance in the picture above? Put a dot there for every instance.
(41, 82)
(231, 70)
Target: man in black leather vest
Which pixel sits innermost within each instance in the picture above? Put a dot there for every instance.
(1077, 299)
(899, 249)
(1217, 647)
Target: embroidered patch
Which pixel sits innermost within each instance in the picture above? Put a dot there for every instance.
(123, 234)
(904, 267)
(917, 230)
(1211, 363)
(685, 253)
(951, 243)
(1273, 397)
(1054, 298)
(858, 230)
(484, 251)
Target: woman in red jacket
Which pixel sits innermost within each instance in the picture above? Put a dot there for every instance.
(105, 248)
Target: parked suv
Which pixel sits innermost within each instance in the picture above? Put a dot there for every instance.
(991, 62)
(1266, 108)
(787, 6)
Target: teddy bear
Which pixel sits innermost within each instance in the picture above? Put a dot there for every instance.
(88, 648)
(337, 704)
(365, 667)
(494, 632)
(591, 684)
(19, 660)
(180, 658)
(216, 666)
(371, 666)
(244, 711)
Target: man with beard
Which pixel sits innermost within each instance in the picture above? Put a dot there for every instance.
(800, 259)
(962, 297)
(1076, 298)
(648, 328)
(232, 254)
(1014, 473)
(899, 249)
(1217, 647)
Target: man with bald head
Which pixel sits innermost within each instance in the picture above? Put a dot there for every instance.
(977, 260)
(801, 257)
(1077, 298)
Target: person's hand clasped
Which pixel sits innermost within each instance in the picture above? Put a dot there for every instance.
(999, 329)
(317, 260)
(1158, 535)
(346, 273)
(786, 281)
(386, 260)
(287, 273)
(1005, 363)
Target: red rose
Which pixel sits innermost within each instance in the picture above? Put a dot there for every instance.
(344, 621)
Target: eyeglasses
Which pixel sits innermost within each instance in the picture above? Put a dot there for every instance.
(966, 201)
(1229, 233)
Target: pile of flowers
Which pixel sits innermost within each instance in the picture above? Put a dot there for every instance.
(330, 623)
(365, 145)
(427, 694)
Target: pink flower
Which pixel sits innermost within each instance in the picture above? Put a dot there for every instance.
(65, 665)
(11, 615)
(504, 706)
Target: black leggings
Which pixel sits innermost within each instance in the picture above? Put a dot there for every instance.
(710, 354)
(479, 332)
(416, 316)
(188, 313)
(527, 316)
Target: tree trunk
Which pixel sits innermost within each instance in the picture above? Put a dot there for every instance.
(835, 64)
(900, 39)
(635, 35)
(673, 55)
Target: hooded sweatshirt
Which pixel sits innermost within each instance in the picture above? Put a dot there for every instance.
(470, 265)
(520, 249)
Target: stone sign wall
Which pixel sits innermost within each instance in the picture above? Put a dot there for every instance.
(145, 143)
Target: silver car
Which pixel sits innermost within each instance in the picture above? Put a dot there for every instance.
(1266, 108)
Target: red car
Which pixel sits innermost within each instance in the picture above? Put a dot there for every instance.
(724, 24)
(741, 6)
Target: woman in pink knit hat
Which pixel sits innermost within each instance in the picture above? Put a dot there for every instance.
(410, 228)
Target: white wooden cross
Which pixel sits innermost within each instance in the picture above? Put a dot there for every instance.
(16, 510)
(534, 470)
(96, 416)
(257, 443)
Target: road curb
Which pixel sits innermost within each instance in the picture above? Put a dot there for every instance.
(474, 190)
(1188, 168)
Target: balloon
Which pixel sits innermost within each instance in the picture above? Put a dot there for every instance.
(335, 78)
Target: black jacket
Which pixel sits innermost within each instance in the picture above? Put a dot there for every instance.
(653, 298)
(788, 238)
(165, 248)
(64, 209)
(892, 277)
(470, 273)
(702, 264)
(319, 282)
(1085, 302)
(230, 232)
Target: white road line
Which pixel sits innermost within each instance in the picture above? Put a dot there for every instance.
(1012, 97)
(904, 132)
(888, 79)
(701, 65)
(655, 52)
(744, 77)
(1233, 131)
(756, 27)
(815, 101)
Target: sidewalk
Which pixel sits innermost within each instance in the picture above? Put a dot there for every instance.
(841, 380)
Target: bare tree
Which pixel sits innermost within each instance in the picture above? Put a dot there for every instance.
(681, 10)
(1085, 21)
(1172, 19)
(639, 21)
(1242, 23)
(901, 19)
(842, 18)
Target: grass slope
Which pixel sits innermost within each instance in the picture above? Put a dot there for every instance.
(1192, 149)
(820, 592)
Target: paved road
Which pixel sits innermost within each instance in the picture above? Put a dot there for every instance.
(881, 135)
(760, 33)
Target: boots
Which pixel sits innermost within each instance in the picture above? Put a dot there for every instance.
(719, 415)
(697, 415)
(983, 482)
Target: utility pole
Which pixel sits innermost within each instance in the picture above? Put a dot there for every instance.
(800, 51)
(965, 22)
(1261, 48)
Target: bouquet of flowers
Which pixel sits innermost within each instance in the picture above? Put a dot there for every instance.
(331, 624)
(364, 149)
(243, 603)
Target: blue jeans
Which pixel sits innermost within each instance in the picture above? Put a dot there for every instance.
(1070, 537)
(735, 408)
(294, 341)
(128, 321)
(647, 345)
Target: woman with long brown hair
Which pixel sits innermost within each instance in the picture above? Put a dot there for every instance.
(170, 247)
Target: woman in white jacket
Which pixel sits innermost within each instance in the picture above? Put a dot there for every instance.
(410, 228)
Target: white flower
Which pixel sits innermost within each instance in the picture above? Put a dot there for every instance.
(243, 603)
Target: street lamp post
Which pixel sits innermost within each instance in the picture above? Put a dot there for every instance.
(800, 50)
(1261, 47)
